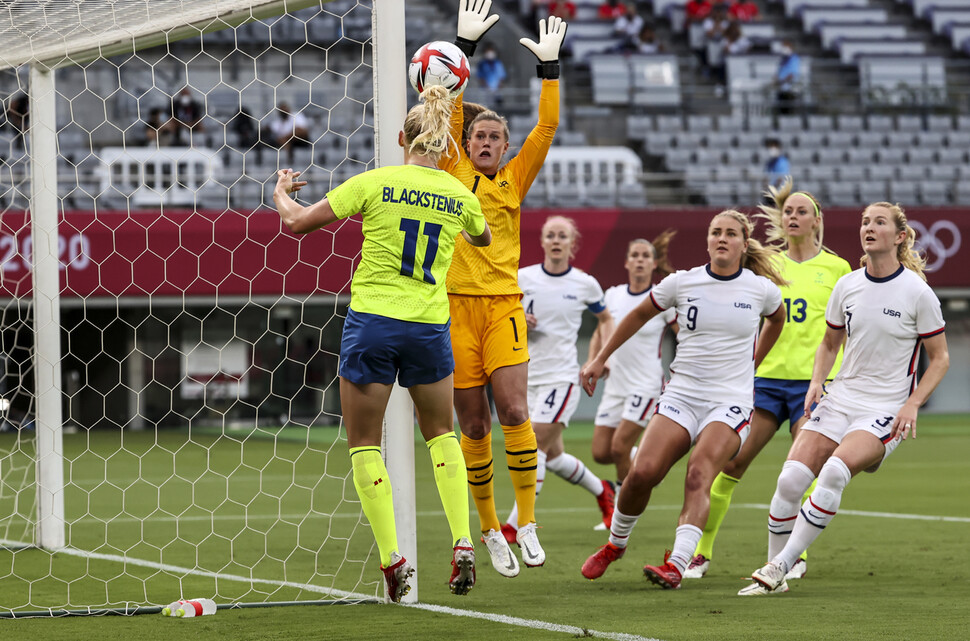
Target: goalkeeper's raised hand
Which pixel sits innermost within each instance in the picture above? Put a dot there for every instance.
(551, 35)
(473, 22)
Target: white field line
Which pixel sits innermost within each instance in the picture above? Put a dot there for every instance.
(498, 618)
(529, 623)
(432, 513)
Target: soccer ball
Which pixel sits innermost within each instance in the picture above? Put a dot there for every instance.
(439, 63)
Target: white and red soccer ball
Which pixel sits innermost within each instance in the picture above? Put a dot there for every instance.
(439, 63)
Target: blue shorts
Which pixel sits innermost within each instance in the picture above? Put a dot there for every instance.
(783, 398)
(376, 349)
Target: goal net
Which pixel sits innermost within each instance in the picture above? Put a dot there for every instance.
(169, 412)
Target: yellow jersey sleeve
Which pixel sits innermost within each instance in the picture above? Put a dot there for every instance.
(493, 270)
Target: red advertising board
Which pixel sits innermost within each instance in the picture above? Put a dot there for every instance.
(251, 254)
(183, 253)
(606, 233)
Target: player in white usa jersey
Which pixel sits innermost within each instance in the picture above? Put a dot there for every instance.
(555, 295)
(707, 403)
(636, 371)
(884, 312)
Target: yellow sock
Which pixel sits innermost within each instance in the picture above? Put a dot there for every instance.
(478, 464)
(521, 454)
(808, 493)
(374, 489)
(721, 492)
(452, 486)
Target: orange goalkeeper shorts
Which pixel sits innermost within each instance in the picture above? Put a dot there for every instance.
(487, 332)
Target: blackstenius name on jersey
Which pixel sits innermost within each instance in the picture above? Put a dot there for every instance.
(420, 198)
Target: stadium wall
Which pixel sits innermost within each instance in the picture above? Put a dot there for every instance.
(119, 258)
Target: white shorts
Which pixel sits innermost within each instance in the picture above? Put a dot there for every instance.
(553, 403)
(635, 408)
(694, 415)
(834, 420)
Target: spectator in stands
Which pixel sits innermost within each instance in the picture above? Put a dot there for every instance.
(734, 44)
(610, 10)
(647, 41)
(187, 114)
(159, 128)
(744, 11)
(627, 27)
(565, 10)
(491, 73)
(715, 26)
(289, 130)
(697, 11)
(777, 167)
(18, 118)
(788, 78)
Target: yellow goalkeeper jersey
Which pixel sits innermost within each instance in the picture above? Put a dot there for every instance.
(793, 356)
(493, 270)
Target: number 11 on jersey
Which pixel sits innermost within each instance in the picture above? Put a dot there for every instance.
(411, 229)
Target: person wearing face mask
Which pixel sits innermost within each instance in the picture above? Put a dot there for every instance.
(794, 225)
(707, 404)
(554, 295)
(187, 114)
(777, 167)
(787, 78)
(885, 314)
(488, 328)
(491, 73)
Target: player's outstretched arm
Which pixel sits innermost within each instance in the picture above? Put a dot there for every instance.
(551, 35)
(473, 22)
(297, 218)
(596, 367)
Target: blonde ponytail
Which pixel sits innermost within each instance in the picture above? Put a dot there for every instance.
(427, 126)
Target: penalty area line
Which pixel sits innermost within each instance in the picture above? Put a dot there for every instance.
(533, 624)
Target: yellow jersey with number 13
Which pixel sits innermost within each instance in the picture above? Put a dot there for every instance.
(805, 300)
(411, 216)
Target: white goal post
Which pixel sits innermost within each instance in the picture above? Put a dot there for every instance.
(169, 418)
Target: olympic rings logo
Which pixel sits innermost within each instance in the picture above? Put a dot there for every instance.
(930, 242)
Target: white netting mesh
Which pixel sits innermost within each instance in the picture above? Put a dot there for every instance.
(202, 453)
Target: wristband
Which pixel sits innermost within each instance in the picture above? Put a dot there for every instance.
(548, 70)
(467, 46)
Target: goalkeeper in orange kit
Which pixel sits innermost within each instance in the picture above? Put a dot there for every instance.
(488, 331)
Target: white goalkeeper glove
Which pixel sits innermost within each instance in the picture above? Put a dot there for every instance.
(473, 22)
(551, 35)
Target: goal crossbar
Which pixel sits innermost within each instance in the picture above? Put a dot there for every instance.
(77, 31)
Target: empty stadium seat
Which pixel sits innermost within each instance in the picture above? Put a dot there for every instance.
(934, 192)
(841, 193)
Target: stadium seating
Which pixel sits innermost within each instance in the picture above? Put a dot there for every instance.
(590, 176)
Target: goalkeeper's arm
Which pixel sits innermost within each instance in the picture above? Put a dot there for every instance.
(551, 35)
(473, 22)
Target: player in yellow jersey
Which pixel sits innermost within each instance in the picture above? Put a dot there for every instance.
(794, 223)
(398, 322)
(488, 331)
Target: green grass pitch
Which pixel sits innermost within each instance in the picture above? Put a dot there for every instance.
(878, 572)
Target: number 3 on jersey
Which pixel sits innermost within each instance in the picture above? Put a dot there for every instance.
(411, 229)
